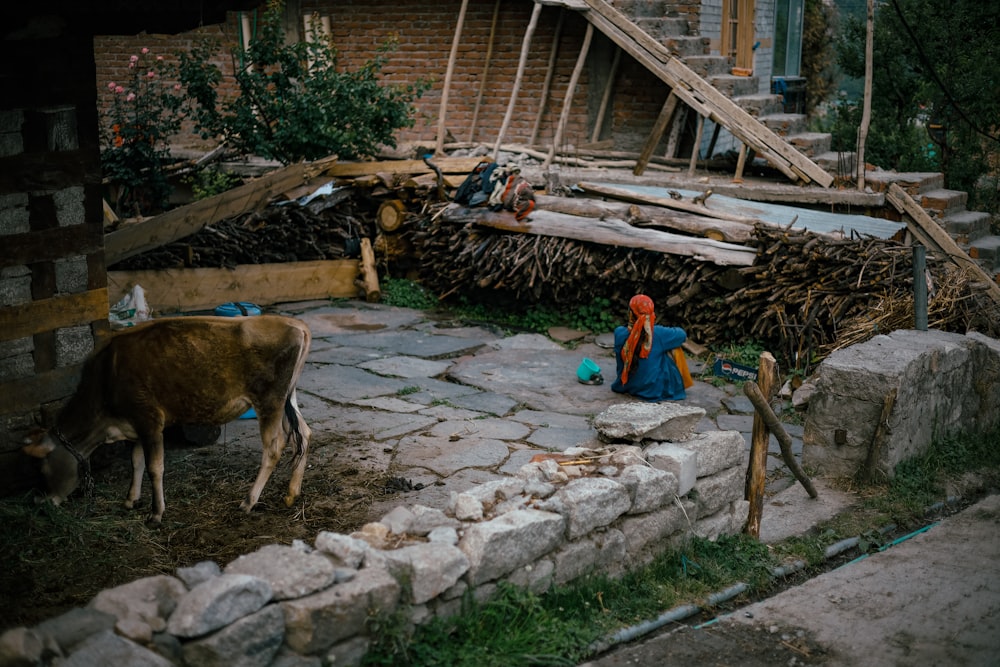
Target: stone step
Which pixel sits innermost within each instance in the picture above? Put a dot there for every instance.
(641, 8)
(709, 66)
(810, 144)
(914, 183)
(686, 46)
(786, 124)
(734, 86)
(760, 104)
(986, 250)
(966, 226)
(663, 26)
(942, 201)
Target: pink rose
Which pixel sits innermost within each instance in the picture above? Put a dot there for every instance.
(159, 57)
(150, 74)
(119, 90)
(112, 85)
(177, 86)
(133, 59)
(130, 97)
(144, 50)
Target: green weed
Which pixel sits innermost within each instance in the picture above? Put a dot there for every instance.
(404, 293)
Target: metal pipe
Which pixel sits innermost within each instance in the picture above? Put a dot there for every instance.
(919, 287)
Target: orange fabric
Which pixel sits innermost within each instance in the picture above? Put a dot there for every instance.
(682, 366)
(642, 320)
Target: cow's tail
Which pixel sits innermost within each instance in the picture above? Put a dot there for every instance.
(295, 428)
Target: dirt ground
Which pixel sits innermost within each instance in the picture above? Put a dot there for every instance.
(57, 558)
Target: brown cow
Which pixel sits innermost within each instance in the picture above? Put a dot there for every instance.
(196, 370)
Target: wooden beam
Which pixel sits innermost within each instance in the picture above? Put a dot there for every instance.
(934, 237)
(606, 97)
(64, 310)
(186, 220)
(186, 290)
(609, 231)
(486, 71)
(629, 195)
(448, 165)
(26, 394)
(659, 127)
(570, 90)
(522, 62)
(767, 381)
(696, 149)
(50, 244)
(443, 108)
(549, 73)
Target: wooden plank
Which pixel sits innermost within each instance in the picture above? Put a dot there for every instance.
(659, 127)
(184, 290)
(606, 97)
(64, 310)
(51, 244)
(550, 71)
(448, 165)
(186, 220)
(698, 209)
(516, 88)
(609, 231)
(568, 99)
(923, 226)
(26, 394)
(449, 72)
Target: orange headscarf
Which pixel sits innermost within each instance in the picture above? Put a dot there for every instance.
(641, 322)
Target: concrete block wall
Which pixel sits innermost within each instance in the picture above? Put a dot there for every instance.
(946, 384)
(304, 604)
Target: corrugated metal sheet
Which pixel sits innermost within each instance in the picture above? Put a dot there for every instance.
(817, 221)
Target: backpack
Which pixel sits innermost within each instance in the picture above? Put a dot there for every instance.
(476, 187)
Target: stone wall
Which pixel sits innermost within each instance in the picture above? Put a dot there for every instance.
(561, 517)
(945, 384)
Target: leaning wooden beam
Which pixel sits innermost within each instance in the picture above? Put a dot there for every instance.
(931, 235)
(629, 195)
(568, 100)
(659, 127)
(609, 231)
(525, 49)
(486, 70)
(649, 216)
(186, 220)
(606, 97)
(443, 109)
(773, 424)
(697, 145)
(549, 73)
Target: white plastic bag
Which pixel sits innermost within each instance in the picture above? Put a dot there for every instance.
(130, 310)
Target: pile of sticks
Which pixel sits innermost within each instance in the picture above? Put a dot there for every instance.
(276, 234)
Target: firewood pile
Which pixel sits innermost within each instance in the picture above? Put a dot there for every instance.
(276, 234)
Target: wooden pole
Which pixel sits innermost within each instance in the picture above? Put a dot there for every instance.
(568, 100)
(659, 127)
(443, 111)
(697, 145)
(752, 391)
(767, 380)
(486, 71)
(548, 76)
(741, 162)
(525, 47)
(866, 108)
(606, 98)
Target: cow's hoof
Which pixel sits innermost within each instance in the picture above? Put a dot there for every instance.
(290, 500)
(246, 507)
(154, 521)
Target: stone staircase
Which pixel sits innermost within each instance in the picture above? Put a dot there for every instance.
(969, 229)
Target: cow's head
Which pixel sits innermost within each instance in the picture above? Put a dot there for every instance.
(60, 467)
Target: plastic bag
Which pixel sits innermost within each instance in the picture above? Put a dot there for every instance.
(130, 310)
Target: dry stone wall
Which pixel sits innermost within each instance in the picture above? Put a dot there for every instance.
(561, 517)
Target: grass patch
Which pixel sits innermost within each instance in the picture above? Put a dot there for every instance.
(517, 627)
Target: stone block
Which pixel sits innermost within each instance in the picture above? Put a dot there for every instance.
(69, 206)
(503, 544)
(681, 462)
(651, 528)
(716, 450)
(73, 344)
(71, 274)
(649, 488)
(639, 421)
(589, 503)
(717, 491)
(14, 216)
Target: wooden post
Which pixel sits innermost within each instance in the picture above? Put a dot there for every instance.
(599, 121)
(486, 71)
(752, 391)
(741, 162)
(659, 127)
(568, 100)
(548, 77)
(443, 110)
(767, 381)
(715, 138)
(697, 145)
(368, 274)
(866, 105)
(525, 47)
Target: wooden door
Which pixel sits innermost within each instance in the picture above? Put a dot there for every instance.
(738, 32)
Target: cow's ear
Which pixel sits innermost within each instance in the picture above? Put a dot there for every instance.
(38, 448)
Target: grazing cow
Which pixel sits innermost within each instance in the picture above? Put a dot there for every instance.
(196, 370)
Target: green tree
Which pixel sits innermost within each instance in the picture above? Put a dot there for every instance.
(294, 104)
(935, 89)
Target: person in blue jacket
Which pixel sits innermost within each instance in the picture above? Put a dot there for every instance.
(645, 356)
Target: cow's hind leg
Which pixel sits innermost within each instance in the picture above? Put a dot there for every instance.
(298, 434)
(152, 446)
(138, 468)
(272, 442)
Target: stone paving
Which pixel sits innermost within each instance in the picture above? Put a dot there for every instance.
(443, 406)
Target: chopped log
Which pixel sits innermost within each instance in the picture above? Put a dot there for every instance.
(767, 376)
(628, 195)
(390, 215)
(609, 231)
(649, 216)
(367, 273)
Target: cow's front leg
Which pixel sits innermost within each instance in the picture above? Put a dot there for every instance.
(138, 468)
(152, 445)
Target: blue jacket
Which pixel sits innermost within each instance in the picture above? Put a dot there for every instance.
(656, 377)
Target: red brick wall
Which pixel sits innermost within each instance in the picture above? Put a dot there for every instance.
(424, 31)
